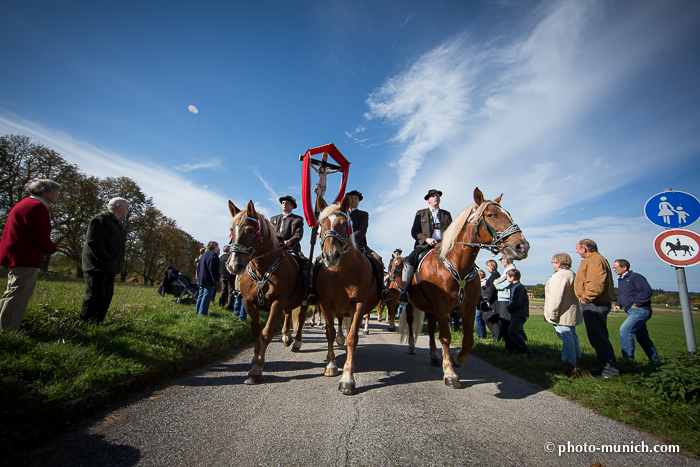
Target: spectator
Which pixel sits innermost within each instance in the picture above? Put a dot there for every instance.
(479, 325)
(519, 309)
(196, 262)
(228, 281)
(103, 259)
(595, 291)
(208, 277)
(503, 293)
(490, 314)
(635, 298)
(561, 307)
(26, 238)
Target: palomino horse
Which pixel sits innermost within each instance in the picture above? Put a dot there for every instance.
(446, 279)
(395, 268)
(270, 280)
(345, 285)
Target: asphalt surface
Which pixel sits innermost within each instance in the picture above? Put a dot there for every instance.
(403, 415)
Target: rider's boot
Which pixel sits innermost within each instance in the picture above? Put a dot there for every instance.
(311, 298)
(406, 278)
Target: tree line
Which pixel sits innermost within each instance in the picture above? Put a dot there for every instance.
(659, 296)
(154, 241)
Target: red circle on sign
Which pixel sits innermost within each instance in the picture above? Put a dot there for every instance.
(674, 260)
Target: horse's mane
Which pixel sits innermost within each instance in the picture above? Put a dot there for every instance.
(449, 237)
(329, 211)
(267, 231)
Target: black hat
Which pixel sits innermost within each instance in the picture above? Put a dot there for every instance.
(356, 193)
(290, 199)
(399, 250)
(431, 193)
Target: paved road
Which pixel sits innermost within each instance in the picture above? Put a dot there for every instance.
(403, 415)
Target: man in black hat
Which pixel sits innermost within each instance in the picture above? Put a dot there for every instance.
(427, 230)
(289, 227)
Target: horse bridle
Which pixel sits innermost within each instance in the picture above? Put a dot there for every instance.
(332, 233)
(498, 237)
(238, 248)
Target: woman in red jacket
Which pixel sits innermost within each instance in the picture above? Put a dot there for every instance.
(25, 240)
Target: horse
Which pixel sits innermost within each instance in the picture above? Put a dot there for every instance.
(345, 285)
(270, 280)
(395, 268)
(447, 280)
(686, 249)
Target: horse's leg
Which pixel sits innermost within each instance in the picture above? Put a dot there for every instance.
(391, 316)
(408, 309)
(451, 378)
(458, 358)
(434, 355)
(255, 373)
(254, 317)
(347, 381)
(286, 329)
(380, 312)
(365, 331)
(339, 337)
(331, 367)
(298, 319)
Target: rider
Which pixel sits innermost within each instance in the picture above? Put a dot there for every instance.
(360, 223)
(396, 255)
(289, 226)
(427, 230)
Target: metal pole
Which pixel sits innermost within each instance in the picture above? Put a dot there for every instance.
(685, 307)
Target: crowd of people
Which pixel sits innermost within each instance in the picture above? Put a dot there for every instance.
(570, 299)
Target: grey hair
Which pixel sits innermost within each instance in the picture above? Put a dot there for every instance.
(226, 248)
(211, 246)
(563, 259)
(41, 186)
(114, 201)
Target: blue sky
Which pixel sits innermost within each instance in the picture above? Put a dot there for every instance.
(577, 111)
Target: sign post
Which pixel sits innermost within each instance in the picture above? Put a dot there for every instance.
(677, 247)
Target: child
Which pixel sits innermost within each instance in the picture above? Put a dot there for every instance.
(519, 308)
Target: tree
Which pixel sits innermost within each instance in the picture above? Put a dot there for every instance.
(538, 291)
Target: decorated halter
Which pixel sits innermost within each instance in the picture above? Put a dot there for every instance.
(238, 248)
(498, 237)
(332, 233)
(396, 270)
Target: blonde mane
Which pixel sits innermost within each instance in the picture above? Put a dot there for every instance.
(267, 231)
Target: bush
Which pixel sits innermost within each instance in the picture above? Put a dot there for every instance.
(676, 378)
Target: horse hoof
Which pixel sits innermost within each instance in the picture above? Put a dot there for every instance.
(365, 332)
(435, 361)
(253, 379)
(296, 349)
(455, 363)
(453, 383)
(331, 372)
(348, 389)
(391, 329)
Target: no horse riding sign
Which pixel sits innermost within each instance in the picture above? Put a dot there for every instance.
(678, 247)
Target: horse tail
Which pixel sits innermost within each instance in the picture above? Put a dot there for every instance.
(418, 317)
(297, 319)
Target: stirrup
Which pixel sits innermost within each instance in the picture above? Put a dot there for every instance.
(387, 295)
(312, 300)
(403, 297)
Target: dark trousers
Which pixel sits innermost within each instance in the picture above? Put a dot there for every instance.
(226, 298)
(515, 334)
(595, 316)
(99, 289)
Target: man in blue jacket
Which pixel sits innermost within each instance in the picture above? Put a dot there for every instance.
(635, 298)
(207, 277)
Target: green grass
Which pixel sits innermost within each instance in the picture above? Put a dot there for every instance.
(55, 358)
(626, 399)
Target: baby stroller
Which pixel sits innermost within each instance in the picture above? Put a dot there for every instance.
(178, 284)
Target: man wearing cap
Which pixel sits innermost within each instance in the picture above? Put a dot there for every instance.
(427, 230)
(289, 227)
(360, 223)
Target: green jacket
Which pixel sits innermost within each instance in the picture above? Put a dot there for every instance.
(105, 243)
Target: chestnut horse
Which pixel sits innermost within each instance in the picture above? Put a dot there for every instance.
(270, 280)
(345, 285)
(446, 278)
(395, 268)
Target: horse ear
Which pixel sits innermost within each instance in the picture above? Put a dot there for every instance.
(498, 200)
(233, 209)
(345, 203)
(321, 204)
(251, 209)
(478, 196)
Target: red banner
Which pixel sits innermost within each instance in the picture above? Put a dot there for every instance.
(306, 191)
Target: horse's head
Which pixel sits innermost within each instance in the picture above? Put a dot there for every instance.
(395, 267)
(335, 231)
(499, 230)
(247, 234)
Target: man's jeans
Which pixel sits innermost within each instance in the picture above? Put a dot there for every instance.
(570, 350)
(479, 325)
(595, 316)
(636, 326)
(206, 294)
(239, 310)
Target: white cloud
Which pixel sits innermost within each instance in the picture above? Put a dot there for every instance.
(202, 165)
(193, 109)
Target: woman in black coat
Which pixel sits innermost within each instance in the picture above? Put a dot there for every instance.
(489, 293)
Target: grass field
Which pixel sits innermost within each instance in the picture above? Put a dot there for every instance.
(57, 367)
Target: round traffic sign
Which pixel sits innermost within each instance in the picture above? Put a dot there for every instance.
(678, 247)
(672, 209)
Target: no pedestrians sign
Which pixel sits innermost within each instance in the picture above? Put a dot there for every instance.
(678, 247)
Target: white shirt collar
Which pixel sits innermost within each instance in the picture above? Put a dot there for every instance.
(40, 200)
